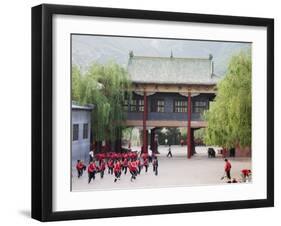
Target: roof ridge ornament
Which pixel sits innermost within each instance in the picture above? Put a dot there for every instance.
(131, 54)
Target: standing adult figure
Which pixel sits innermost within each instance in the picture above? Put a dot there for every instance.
(227, 169)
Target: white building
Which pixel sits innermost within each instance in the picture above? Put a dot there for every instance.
(81, 131)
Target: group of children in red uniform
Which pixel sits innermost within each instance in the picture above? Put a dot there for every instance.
(116, 163)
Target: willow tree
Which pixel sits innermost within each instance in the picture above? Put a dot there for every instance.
(77, 83)
(106, 86)
(229, 117)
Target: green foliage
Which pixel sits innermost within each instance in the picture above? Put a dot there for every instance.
(172, 134)
(229, 117)
(199, 134)
(127, 133)
(106, 86)
(76, 84)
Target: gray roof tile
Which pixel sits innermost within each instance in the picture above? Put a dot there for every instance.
(171, 70)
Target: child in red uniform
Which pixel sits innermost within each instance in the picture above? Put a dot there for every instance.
(133, 169)
(145, 163)
(246, 174)
(138, 164)
(125, 165)
(92, 169)
(102, 168)
(80, 168)
(117, 170)
(110, 166)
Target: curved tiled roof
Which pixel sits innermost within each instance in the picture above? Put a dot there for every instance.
(171, 70)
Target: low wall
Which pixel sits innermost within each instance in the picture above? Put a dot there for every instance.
(239, 152)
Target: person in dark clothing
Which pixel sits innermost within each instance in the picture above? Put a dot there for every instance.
(145, 163)
(169, 151)
(91, 156)
(155, 166)
(227, 168)
(232, 152)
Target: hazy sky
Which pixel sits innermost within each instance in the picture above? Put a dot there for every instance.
(89, 48)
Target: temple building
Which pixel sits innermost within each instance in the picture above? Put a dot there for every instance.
(169, 92)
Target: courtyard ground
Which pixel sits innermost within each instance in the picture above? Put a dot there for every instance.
(175, 171)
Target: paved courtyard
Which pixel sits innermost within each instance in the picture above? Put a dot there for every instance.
(175, 171)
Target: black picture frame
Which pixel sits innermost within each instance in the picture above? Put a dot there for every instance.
(42, 111)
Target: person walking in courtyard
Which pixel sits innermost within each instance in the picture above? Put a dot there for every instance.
(92, 169)
(117, 170)
(155, 165)
(169, 152)
(80, 167)
(125, 165)
(138, 163)
(182, 142)
(110, 164)
(102, 168)
(133, 170)
(145, 163)
(91, 156)
(227, 168)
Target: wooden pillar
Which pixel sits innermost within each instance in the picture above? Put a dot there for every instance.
(189, 148)
(144, 122)
(192, 142)
(151, 139)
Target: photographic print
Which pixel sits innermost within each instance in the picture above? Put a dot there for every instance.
(138, 112)
(158, 112)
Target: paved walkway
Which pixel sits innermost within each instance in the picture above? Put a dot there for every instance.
(175, 171)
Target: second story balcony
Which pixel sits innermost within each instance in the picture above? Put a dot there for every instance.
(167, 106)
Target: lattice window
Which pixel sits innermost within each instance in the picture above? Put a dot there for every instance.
(180, 106)
(199, 106)
(157, 105)
(85, 130)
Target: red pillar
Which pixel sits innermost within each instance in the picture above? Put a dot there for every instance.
(144, 122)
(189, 148)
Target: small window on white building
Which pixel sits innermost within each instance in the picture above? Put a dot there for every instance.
(75, 132)
(85, 131)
